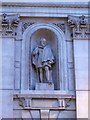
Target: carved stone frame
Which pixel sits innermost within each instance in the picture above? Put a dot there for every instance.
(25, 75)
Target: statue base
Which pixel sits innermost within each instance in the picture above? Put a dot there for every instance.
(44, 86)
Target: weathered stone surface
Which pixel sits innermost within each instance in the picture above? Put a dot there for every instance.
(8, 63)
(7, 102)
(82, 102)
(44, 86)
(81, 64)
(45, 114)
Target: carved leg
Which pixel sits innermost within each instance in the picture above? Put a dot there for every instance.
(50, 75)
(40, 75)
(47, 72)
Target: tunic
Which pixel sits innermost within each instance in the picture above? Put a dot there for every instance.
(42, 56)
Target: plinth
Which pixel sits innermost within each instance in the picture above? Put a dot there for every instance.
(44, 86)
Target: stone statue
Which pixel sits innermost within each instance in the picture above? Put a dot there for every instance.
(43, 59)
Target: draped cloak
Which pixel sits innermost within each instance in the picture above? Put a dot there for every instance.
(42, 56)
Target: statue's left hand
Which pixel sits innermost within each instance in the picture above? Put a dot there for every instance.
(50, 62)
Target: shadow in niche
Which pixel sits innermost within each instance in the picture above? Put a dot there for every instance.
(53, 42)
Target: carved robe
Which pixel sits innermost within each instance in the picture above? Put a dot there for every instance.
(42, 56)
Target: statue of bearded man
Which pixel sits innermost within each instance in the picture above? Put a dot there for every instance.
(43, 59)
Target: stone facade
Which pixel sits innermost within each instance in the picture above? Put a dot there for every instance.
(66, 28)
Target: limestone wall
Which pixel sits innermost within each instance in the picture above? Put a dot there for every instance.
(81, 71)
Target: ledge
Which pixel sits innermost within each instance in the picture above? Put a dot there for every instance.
(45, 94)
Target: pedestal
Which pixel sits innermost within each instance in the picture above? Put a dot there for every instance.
(44, 86)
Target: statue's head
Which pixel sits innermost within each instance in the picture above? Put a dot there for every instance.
(43, 42)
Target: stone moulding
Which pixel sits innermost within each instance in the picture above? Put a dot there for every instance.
(26, 101)
(45, 4)
(44, 103)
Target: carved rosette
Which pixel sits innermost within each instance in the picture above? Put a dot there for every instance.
(26, 25)
(79, 26)
(9, 24)
(61, 25)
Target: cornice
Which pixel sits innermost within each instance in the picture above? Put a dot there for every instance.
(44, 4)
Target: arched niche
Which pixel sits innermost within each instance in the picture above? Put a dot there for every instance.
(56, 39)
(53, 42)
